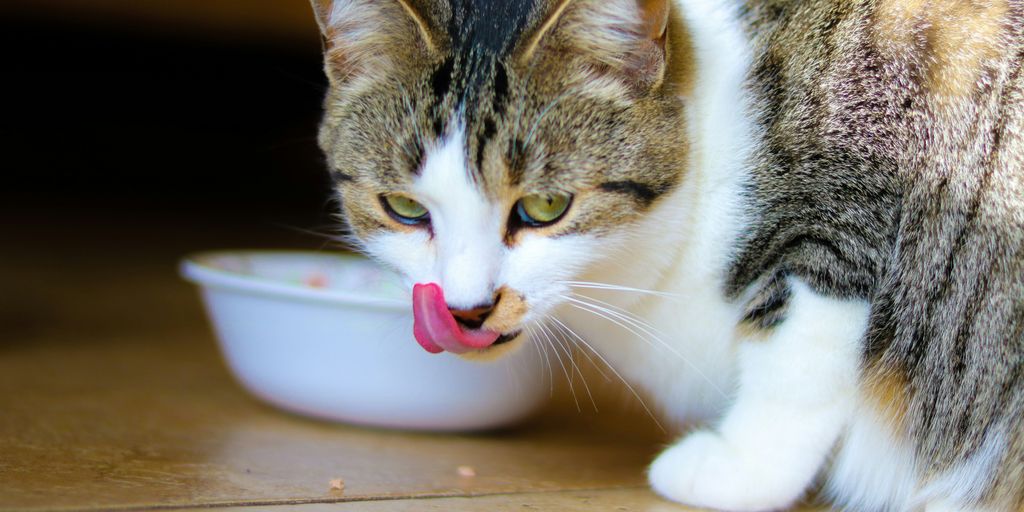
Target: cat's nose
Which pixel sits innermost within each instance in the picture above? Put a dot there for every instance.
(475, 317)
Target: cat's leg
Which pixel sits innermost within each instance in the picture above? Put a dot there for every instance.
(797, 387)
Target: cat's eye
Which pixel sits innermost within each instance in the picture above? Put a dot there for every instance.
(538, 210)
(404, 209)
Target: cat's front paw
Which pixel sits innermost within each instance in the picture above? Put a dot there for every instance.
(703, 470)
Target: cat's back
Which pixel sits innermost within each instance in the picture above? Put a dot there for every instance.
(880, 118)
(919, 87)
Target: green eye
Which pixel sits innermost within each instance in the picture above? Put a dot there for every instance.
(542, 209)
(404, 209)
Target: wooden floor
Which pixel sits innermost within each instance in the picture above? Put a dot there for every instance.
(113, 396)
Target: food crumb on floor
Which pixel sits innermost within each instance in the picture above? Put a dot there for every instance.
(337, 484)
(466, 471)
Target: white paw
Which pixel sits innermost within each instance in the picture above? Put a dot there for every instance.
(703, 471)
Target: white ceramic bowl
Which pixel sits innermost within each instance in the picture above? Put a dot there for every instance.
(331, 336)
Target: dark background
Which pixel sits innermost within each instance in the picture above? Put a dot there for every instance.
(126, 120)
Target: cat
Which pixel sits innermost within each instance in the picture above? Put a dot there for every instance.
(802, 221)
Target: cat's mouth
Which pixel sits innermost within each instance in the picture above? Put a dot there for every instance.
(507, 338)
(437, 330)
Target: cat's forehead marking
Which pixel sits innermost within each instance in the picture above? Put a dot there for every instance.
(490, 27)
(473, 78)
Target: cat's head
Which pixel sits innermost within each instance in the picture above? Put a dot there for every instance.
(498, 148)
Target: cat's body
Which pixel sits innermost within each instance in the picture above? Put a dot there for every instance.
(826, 196)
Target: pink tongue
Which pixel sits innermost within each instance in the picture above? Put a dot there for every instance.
(435, 327)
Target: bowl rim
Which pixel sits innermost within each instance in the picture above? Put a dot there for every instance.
(193, 269)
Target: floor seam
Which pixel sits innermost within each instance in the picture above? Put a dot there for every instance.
(332, 501)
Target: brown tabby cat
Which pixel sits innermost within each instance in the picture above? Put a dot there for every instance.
(800, 222)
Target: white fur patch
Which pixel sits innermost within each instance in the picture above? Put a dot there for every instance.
(796, 392)
(467, 227)
(538, 267)
(872, 470)
(685, 243)
(967, 483)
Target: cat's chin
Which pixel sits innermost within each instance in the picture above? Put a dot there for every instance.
(506, 344)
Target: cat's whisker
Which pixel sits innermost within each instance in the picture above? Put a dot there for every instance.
(551, 347)
(318, 86)
(631, 389)
(629, 326)
(572, 360)
(544, 355)
(562, 329)
(326, 238)
(349, 242)
(511, 371)
(353, 243)
(565, 370)
(570, 344)
(613, 287)
(547, 362)
(634, 324)
(641, 332)
(623, 313)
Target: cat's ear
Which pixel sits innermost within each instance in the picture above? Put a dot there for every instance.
(625, 37)
(369, 36)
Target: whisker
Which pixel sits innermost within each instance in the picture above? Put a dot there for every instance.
(562, 328)
(631, 389)
(613, 287)
(327, 239)
(544, 354)
(358, 248)
(318, 86)
(640, 322)
(572, 361)
(577, 349)
(629, 325)
(633, 324)
(565, 370)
